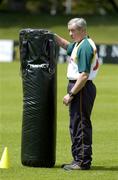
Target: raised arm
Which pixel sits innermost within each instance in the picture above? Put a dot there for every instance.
(61, 41)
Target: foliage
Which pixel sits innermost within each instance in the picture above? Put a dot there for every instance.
(46, 6)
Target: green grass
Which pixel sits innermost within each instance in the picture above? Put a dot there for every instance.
(104, 119)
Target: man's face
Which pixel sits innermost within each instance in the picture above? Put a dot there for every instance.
(74, 33)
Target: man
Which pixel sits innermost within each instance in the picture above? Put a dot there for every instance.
(82, 69)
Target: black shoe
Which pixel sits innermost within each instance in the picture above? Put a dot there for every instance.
(74, 166)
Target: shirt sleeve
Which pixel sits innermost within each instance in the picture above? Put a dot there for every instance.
(85, 56)
(70, 48)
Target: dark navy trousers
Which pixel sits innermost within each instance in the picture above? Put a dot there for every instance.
(80, 123)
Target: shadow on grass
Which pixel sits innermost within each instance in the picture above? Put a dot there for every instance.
(105, 168)
(96, 168)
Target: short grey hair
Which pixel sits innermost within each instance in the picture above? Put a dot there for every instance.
(79, 23)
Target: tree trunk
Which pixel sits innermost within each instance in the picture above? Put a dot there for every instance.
(114, 4)
(68, 6)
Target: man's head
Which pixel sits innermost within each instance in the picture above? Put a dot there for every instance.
(77, 28)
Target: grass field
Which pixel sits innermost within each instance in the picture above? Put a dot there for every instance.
(104, 119)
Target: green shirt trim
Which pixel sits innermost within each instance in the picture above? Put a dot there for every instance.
(84, 55)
